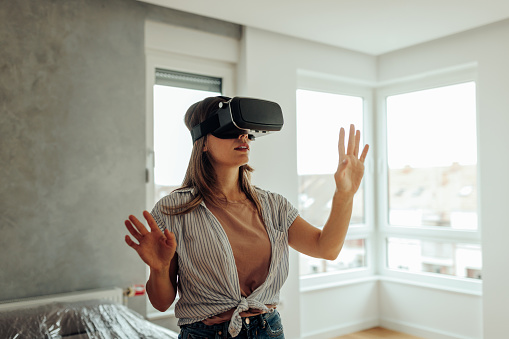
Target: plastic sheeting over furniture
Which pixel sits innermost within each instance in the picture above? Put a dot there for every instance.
(94, 319)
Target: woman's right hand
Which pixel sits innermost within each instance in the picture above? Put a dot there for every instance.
(154, 247)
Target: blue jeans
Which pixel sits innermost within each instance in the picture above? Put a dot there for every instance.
(262, 326)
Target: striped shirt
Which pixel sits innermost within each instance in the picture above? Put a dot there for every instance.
(208, 283)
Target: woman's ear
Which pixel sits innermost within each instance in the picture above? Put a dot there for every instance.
(205, 149)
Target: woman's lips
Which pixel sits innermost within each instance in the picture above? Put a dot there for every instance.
(243, 147)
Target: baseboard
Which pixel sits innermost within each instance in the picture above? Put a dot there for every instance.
(419, 331)
(342, 329)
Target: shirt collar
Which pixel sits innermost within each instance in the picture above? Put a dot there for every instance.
(189, 190)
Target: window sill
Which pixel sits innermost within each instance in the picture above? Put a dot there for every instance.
(410, 282)
(323, 286)
(434, 286)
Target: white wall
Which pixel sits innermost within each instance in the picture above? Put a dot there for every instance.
(340, 310)
(428, 312)
(488, 48)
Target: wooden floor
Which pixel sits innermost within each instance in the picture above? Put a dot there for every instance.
(377, 332)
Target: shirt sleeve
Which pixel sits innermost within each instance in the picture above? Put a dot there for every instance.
(158, 215)
(283, 211)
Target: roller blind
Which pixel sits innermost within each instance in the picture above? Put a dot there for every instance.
(188, 80)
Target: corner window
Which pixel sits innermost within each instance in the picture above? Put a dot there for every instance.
(432, 182)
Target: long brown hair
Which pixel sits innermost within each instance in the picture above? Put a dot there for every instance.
(200, 173)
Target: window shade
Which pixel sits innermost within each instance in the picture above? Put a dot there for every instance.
(188, 80)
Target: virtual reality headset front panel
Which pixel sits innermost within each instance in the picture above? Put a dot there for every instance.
(238, 116)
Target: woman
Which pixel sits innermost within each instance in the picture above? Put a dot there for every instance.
(223, 243)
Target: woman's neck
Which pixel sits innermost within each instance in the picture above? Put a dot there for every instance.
(228, 184)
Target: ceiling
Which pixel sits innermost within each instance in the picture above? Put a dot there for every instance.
(369, 26)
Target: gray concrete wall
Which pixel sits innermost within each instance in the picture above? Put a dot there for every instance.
(72, 140)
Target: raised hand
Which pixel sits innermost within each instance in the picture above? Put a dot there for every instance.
(350, 170)
(154, 247)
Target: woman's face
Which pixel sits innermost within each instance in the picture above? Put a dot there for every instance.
(228, 152)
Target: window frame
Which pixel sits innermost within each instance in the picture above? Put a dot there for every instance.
(385, 230)
(175, 62)
(328, 84)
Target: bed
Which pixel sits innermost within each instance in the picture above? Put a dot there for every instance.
(93, 314)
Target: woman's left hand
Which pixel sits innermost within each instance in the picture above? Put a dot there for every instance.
(350, 170)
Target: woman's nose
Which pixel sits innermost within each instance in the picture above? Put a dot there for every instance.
(243, 136)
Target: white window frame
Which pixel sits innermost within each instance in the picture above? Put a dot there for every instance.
(329, 84)
(385, 230)
(181, 49)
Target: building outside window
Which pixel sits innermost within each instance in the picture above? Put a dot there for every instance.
(431, 213)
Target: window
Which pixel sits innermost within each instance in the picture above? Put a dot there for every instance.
(431, 214)
(353, 255)
(320, 116)
(174, 92)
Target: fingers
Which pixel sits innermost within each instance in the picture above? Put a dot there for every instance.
(131, 243)
(141, 230)
(357, 143)
(138, 224)
(151, 222)
(341, 143)
(351, 140)
(170, 238)
(133, 232)
(364, 153)
(354, 142)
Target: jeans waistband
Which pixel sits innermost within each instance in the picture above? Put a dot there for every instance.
(247, 322)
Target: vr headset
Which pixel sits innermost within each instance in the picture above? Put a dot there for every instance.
(238, 116)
